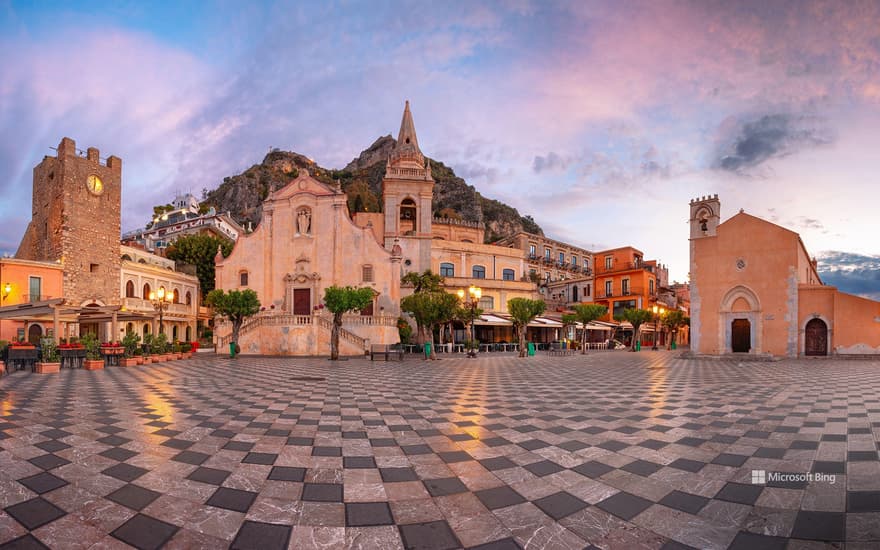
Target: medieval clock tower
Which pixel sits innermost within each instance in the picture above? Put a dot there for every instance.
(76, 222)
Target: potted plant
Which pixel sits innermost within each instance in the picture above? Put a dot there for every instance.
(186, 350)
(160, 343)
(93, 352)
(3, 345)
(131, 348)
(50, 360)
(147, 348)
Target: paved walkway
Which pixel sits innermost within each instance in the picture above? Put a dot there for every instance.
(612, 449)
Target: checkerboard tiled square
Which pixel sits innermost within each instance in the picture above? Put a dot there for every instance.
(487, 453)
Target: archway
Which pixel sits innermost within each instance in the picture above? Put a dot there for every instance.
(408, 213)
(740, 336)
(740, 326)
(816, 338)
(35, 332)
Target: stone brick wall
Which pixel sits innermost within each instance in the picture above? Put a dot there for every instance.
(76, 227)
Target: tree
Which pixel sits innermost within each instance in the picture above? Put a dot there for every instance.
(523, 311)
(429, 309)
(428, 281)
(339, 301)
(635, 317)
(585, 314)
(236, 305)
(673, 319)
(199, 250)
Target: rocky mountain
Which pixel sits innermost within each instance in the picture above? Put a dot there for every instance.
(361, 179)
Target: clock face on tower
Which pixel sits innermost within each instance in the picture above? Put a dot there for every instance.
(95, 185)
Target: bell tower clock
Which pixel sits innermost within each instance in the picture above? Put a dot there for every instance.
(76, 222)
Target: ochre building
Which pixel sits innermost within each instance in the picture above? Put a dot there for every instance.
(755, 290)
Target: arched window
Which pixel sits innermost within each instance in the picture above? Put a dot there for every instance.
(478, 272)
(188, 333)
(129, 289)
(146, 294)
(447, 270)
(146, 328)
(174, 333)
(126, 257)
(243, 278)
(508, 275)
(407, 216)
(189, 299)
(129, 328)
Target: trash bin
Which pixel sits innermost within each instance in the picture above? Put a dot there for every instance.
(673, 345)
(232, 350)
(427, 350)
(531, 349)
(638, 346)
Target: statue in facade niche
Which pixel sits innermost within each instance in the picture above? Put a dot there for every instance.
(304, 222)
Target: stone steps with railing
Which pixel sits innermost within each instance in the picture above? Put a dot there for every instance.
(324, 321)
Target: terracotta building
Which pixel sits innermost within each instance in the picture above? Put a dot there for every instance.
(755, 289)
(625, 280)
(27, 282)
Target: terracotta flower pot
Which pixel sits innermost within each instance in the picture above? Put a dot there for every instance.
(47, 368)
(128, 362)
(139, 359)
(93, 364)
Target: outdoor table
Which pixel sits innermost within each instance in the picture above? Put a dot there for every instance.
(72, 358)
(412, 348)
(20, 358)
(459, 348)
(112, 355)
(485, 347)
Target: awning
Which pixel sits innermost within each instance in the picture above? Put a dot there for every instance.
(545, 322)
(488, 319)
(46, 310)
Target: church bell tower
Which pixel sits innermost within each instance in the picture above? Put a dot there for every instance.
(407, 195)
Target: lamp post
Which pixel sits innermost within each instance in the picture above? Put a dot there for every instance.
(471, 300)
(658, 311)
(161, 300)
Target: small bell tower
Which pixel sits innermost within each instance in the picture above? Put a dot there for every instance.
(705, 216)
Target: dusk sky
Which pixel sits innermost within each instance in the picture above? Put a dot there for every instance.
(600, 119)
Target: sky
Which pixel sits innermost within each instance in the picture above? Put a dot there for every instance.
(602, 120)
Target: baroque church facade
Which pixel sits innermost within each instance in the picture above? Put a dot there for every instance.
(307, 241)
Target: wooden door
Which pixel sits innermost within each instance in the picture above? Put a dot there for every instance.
(741, 336)
(816, 338)
(35, 332)
(302, 301)
(368, 310)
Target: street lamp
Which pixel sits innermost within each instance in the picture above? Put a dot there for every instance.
(161, 300)
(471, 301)
(658, 311)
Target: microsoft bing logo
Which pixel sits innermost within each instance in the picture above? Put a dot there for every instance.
(759, 477)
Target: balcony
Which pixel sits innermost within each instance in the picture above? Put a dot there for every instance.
(623, 266)
(617, 293)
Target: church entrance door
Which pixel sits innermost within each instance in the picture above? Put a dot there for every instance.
(816, 338)
(302, 301)
(741, 336)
